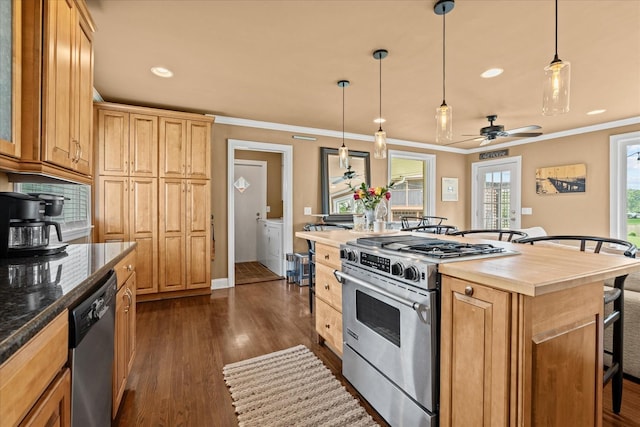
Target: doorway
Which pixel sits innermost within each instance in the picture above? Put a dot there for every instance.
(286, 152)
(625, 187)
(496, 194)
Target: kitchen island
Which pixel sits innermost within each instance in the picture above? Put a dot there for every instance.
(521, 336)
(36, 295)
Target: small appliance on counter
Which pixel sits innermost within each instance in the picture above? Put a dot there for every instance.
(24, 229)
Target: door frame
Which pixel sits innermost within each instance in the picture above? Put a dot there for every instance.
(429, 199)
(263, 172)
(287, 197)
(618, 182)
(517, 160)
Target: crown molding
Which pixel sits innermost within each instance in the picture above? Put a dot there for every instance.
(236, 121)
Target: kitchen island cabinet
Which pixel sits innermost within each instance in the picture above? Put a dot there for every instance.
(328, 300)
(521, 335)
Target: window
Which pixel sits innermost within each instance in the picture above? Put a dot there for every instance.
(75, 221)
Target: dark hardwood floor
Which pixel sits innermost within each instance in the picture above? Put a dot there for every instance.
(182, 345)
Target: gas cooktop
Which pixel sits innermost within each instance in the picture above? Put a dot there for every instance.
(431, 247)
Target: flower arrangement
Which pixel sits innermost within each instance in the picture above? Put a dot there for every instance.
(371, 196)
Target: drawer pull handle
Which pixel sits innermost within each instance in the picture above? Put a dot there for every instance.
(326, 286)
(326, 256)
(468, 291)
(129, 267)
(327, 326)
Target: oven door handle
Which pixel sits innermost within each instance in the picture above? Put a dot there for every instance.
(421, 309)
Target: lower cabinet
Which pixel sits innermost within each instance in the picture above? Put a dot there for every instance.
(125, 336)
(54, 407)
(328, 302)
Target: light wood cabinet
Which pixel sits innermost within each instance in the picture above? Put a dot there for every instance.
(28, 373)
(125, 329)
(474, 381)
(54, 407)
(328, 301)
(504, 356)
(67, 87)
(184, 148)
(127, 143)
(127, 212)
(185, 249)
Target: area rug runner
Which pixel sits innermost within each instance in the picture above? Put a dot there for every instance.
(291, 387)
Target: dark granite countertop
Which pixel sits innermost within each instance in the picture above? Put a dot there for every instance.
(33, 291)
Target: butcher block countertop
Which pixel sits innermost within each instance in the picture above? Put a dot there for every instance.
(533, 270)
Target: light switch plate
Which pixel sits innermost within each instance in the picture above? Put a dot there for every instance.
(268, 209)
(307, 211)
(527, 211)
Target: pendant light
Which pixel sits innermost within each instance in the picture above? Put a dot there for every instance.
(343, 152)
(557, 75)
(380, 141)
(444, 114)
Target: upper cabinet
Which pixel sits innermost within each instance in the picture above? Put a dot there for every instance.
(57, 90)
(184, 148)
(10, 76)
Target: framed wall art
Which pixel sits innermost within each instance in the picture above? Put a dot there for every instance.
(449, 189)
(561, 179)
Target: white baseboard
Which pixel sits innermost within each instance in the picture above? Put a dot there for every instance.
(220, 283)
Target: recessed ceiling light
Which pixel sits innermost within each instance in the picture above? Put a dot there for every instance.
(379, 120)
(491, 72)
(162, 72)
(594, 112)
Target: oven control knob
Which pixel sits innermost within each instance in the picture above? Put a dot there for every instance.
(397, 269)
(344, 253)
(412, 274)
(352, 256)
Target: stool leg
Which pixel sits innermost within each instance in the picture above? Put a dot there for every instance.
(618, 332)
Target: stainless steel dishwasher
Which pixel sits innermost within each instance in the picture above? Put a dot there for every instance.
(91, 341)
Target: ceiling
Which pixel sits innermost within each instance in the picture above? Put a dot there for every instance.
(279, 61)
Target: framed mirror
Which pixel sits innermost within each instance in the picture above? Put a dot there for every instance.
(337, 197)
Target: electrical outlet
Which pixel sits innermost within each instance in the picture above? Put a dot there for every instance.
(307, 211)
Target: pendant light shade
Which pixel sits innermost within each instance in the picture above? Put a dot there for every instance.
(557, 76)
(343, 152)
(444, 114)
(380, 141)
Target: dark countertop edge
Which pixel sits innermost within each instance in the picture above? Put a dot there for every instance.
(30, 329)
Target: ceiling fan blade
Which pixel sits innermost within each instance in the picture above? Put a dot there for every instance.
(523, 129)
(477, 138)
(525, 134)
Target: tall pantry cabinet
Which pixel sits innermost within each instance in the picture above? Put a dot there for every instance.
(152, 187)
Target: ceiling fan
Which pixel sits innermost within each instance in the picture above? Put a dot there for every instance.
(347, 176)
(491, 132)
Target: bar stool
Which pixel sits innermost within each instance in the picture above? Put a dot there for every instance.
(419, 221)
(615, 295)
(493, 234)
(433, 228)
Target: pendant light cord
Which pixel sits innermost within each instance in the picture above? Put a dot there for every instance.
(380, 117)
(444, 24)
(556, 57)
(343, 115)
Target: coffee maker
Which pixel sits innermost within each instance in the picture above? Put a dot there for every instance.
(24, 229)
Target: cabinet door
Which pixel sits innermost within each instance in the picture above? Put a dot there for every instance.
(329, 325)
(143, 225)
(198, 149)
(172, 234)
(112, 137)
(54, 407)
(198, 253)
(143, 145)
(475, 352)
(173, 140)
(198, 206)
(120, 362)
(83, 100)
(59, 144)
(113, 209)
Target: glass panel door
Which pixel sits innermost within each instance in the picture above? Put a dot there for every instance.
(497, 195)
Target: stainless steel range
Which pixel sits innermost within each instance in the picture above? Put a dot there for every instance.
(391, 315)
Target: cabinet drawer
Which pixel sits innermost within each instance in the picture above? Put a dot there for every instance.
(28, 372)
(328, 255)
(327, 287)
(329, 325)
(125, 267)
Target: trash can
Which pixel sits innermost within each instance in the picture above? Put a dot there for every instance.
(302, 269)
(292, 270)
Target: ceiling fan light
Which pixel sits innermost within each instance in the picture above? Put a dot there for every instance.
(557, 77)
(380, 145)
(444, 120)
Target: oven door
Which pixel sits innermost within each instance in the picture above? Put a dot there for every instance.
(394, 328)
